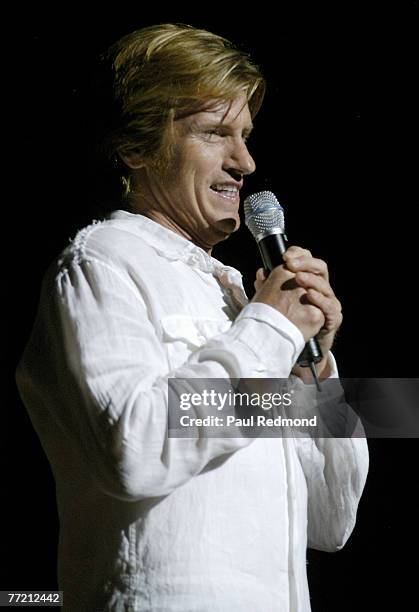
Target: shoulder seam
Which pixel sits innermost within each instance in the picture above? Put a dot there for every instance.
(79, 242)
(65, 270)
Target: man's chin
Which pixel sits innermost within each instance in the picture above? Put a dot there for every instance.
(217, 231)
(227, 226)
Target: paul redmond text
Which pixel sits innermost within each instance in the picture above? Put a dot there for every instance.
(252, 421)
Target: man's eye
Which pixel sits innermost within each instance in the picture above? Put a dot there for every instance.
(211, 133)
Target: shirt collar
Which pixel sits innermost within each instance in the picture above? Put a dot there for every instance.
(174, 247)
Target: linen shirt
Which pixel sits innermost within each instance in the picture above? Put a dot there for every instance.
(149, 522)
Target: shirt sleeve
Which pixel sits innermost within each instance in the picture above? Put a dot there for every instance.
(335, 470)
(335, 466)
(96, 363)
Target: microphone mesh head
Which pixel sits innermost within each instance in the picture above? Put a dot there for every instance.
(263, 214)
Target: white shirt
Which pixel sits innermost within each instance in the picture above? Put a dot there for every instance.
(151, 523)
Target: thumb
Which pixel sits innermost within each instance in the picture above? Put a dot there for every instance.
(261, 276)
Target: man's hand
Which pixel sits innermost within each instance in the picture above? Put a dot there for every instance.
(300, 290)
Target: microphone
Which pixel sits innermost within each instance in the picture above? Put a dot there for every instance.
(264, 216)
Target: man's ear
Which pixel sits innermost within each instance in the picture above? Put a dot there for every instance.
(131, 158)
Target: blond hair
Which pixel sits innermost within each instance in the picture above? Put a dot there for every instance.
(163, 72)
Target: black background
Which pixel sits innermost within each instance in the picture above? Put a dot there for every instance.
(349, 194)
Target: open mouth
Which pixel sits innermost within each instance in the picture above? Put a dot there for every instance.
(227, 192)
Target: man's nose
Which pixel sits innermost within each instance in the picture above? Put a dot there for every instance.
(240, 159)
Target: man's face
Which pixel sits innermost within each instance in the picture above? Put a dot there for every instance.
(198, 196)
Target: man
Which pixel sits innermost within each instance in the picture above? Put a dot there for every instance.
(150, 522)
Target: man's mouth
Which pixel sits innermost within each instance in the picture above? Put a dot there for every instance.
(226, 191)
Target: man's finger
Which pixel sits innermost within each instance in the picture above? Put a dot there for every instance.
(331, 308)
(261, 274)
(313, 281)
(295, 251)
(308, 264)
